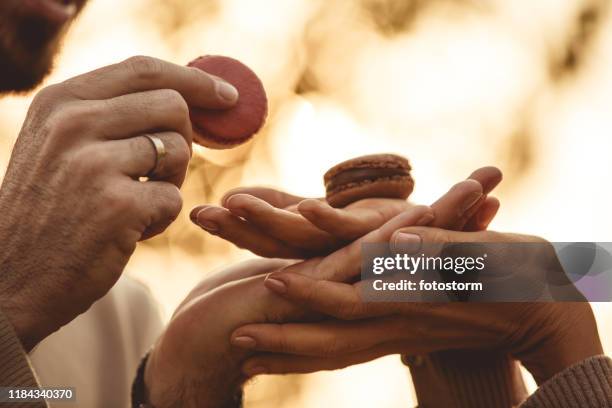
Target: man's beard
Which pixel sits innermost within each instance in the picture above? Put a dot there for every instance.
(26, 55)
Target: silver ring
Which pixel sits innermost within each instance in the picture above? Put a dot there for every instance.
(160, 155)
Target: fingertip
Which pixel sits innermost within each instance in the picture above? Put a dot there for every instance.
(227, 196)
(238, 203)
(489, 177)
(250, 191)
(208, 218)
(215, 92)
(243, 341)
(276, 283)
(424, 213)
(311, 206)
(488, 212)
(231, 200)
(193, 214)
(426, 219)
(406, 240)
(499, 174)
(226, 93)
(470, 186)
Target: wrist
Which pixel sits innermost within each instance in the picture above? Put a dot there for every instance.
(573, 338)
(173, 382)
(561, 355)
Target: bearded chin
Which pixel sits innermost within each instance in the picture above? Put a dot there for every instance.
(15, 78)
(26, 58)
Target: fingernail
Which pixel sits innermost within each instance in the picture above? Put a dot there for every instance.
(226, 91)
(193, 215)
(244, 342)
(424, 220)
(240, 212)
(470, 200)
(407, 243)
(235, 209)
(207, 224)
(253, 371)
(275, 285)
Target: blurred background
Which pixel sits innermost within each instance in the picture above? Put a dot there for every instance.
(451, 84)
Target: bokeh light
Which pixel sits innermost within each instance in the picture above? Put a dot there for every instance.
(451, 84)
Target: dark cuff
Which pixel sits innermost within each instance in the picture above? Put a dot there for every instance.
(139, 394)
(587, 384)
(15, 368)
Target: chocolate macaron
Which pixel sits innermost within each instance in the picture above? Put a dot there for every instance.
(372, 176)
(226, 128)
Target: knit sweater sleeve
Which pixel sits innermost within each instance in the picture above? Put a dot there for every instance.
(462, 379)
(15, 368)
(586, 384)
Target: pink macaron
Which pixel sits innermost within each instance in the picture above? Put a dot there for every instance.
(227, 128)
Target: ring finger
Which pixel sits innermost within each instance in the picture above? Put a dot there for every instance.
(139, 157)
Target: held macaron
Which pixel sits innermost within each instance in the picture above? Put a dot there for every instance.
(227, 128)
(372, 176)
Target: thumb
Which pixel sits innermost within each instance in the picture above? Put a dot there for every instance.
(431, 241)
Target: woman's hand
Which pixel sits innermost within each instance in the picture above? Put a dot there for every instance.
(275, 224)
(545, 337)
(197, 335)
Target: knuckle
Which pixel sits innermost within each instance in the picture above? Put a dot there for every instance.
(308, 293)
(281, 343)
(331, 347)
(118, 202)
(174, 202)
(432, 235)
(539, 240)
(140, 145)
(182, 155)
(67, 121)
(48, 94)
(111, 107)
(86, 165)
(175, 101)
(143, 67)
(89, 161)
(348, 310)
(441, 236)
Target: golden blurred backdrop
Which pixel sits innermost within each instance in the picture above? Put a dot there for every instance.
(452, 84)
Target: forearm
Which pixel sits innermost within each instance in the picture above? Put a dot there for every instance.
(458, 379)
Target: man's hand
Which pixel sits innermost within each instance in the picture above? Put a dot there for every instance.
(192, 364)
(72, 205)
(275, 224)
(545, 337)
